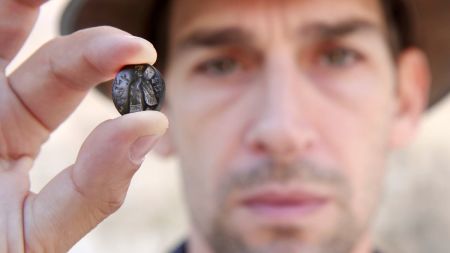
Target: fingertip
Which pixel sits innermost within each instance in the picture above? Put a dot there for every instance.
(149, 122)
(126, 129)
(114, 51)
(145, 51)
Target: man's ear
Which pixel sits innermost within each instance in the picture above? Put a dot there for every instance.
(165, 146)
(413, 80)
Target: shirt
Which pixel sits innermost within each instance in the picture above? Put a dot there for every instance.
(181, 249)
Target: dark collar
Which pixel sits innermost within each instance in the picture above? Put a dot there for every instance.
(181, 249)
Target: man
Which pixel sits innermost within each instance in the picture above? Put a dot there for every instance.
(282, 114)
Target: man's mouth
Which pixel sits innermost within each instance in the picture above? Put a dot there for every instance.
(277, 203)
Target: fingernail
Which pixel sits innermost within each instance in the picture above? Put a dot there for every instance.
(140, 148)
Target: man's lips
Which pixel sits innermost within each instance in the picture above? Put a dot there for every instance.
(279, 204)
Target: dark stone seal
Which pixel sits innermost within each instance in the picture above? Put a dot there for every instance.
(138, 88)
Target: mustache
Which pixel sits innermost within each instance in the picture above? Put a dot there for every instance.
(299, 172)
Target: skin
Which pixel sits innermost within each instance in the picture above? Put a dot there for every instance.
(270, 98)
(34, 100)
(283, 117)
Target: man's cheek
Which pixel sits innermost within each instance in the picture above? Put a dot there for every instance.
(364, 161)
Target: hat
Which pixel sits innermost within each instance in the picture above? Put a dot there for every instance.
(431, 19)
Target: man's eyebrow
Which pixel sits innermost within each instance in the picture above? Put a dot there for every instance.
(209, 38)
(322, 30)
(215, 38)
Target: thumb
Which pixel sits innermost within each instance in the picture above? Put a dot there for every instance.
(84, 194)
(113, 152)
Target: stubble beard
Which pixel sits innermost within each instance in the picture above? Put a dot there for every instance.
(345, 234)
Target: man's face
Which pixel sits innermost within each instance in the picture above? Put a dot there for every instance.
(281, 114)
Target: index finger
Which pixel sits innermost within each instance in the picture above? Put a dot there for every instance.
(58, 76)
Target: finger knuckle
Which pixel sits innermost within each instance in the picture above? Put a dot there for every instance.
(110, 206)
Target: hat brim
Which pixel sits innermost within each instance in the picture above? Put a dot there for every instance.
(431, 18)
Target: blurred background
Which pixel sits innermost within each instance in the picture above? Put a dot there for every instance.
(414, 216)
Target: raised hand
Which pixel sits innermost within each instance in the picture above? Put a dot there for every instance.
(34, 100)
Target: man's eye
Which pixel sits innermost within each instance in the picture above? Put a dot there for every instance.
(339, 57)
(219, 67)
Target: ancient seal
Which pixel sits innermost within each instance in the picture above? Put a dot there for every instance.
(138, 88)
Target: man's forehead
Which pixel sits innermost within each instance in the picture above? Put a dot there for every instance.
(189, 15)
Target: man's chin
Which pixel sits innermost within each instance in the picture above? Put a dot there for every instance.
(281, 245)
(273, 239)
(291, 229)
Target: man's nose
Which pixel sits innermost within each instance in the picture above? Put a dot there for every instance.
(283, 128)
